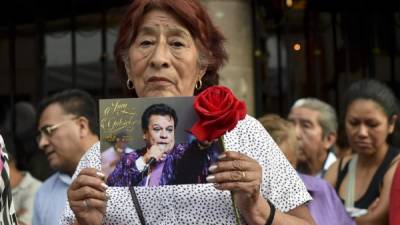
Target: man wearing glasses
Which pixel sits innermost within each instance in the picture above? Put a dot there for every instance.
(68, 127)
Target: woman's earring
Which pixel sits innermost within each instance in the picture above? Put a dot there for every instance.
(199, 84)
(130, 85)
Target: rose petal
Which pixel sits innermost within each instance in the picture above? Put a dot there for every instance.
(218, 110)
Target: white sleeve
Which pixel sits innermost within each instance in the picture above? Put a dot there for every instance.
(280, 182)
(91, 159)
(140, 164)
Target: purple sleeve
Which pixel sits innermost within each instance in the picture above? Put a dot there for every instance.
(125, 173)
(179, 150)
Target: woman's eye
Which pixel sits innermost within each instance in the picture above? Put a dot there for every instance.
(372, 125)
(353, 123)
(145, 43)
(177, 44)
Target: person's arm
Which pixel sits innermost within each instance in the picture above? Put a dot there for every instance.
(261, 212)
(242, 176)
(379, 213)
(394, 205)
(126, 172)
(91, 159)
(257, 171)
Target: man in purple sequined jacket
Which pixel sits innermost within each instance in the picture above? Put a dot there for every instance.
(162, 162)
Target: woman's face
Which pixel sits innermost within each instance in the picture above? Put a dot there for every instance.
(161, 131)
(163, 59)
(367, 126)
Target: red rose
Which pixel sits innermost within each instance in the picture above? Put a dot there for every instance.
(219, 111)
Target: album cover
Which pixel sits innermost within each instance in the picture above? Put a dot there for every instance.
(146, 142)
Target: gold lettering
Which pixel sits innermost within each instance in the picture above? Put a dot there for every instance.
(115, 117)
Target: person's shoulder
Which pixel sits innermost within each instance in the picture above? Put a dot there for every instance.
(247, 120)
(91, 159)
(50, 181)
(332, 172)
(48, 185)
(3, 150)
(315, 181)
(248, 126)
(318, 185)
(93, 153)
(30, 182)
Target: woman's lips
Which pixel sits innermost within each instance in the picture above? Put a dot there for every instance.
(158, 80)
(363, 144)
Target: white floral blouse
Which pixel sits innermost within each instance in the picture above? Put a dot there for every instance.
(202, 203)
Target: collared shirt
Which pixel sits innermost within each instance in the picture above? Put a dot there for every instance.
(202, 203)
(50, 200)
(326, 207)
(23, 196)
(330, 159)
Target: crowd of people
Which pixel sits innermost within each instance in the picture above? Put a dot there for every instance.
(275, 170)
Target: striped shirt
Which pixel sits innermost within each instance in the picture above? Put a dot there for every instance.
(7, 211)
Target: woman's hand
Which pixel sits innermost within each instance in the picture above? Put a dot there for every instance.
(87, 197)
(242, 175)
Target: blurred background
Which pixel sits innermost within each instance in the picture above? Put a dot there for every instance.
(280, 50)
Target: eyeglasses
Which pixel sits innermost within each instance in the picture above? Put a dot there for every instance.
(48, 130)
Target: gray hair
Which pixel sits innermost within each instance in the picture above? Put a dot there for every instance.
(328, 118)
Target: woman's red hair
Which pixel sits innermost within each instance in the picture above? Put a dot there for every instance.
(194, 17)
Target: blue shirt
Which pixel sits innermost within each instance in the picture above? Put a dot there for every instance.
(326, 207)
(50, 200)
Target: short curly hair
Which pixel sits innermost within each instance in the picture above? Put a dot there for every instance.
(209, 40)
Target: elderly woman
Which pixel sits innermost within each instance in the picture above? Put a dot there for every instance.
(363, 179)
(171, 48)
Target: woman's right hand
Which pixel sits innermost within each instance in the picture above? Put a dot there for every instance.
(87, 197)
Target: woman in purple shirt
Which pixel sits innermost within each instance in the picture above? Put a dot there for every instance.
(162, 162)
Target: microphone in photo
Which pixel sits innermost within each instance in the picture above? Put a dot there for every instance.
(153, 160)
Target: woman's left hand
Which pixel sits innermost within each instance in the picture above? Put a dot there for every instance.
(240, 174)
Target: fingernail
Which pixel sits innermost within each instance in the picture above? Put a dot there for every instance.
(212, 168)
(210, 178)
(217, 185)
(107, 196)
(100, 174)
(222, 156)
(104, 185)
